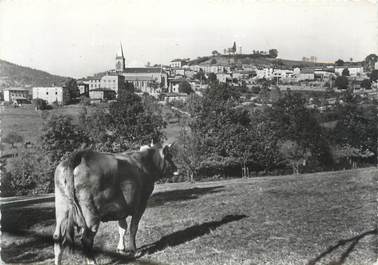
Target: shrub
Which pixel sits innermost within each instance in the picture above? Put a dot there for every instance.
(40, 104)
(29, 172)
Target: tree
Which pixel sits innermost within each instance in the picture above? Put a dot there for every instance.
(339, 62)
(294, 154)
(374, 76)
(357, 126)
(213, 61)
(369, 62)
(366, 84)
(273, 53)
(212, 78)
(185, 87)
(72, 88)
(127, 124)
(200, 75)
(13, 138)
(61, 136)
(345, 72)
(234, 47)
(341, 82)
(40, 104)
(215, 53)
(289, 119)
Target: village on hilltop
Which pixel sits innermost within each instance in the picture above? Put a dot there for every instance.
(245, 72)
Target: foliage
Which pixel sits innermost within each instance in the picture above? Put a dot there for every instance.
(60, 136)
(369, 62)
(13, 138)
(341, 82)
(128, 123)
(72, 88)
(289, 119)
(374, 76)
(345, 72)
(339, 62)
(212, 78)
(357, 126)
(213, 61)
(273, 53)
(30, 172)
(40, 104)
(200, 75)
(295, 154)
(185, 87)
(366, 84)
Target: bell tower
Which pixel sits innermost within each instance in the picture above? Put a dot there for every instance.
(120, 60)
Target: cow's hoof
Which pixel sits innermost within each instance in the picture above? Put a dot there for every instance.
(128, 253)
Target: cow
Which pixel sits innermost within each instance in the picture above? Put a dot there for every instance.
(93, 187)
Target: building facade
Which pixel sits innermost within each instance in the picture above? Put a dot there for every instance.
(113, 82)
(56, 94)
(15, 93)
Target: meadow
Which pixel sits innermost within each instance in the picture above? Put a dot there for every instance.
(325, 218)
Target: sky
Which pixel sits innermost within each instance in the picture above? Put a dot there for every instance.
(81, 37)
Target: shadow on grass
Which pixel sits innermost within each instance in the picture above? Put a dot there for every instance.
(354, 241)
(188, 234)
(161, 198)
(31, 251)
(20, 218)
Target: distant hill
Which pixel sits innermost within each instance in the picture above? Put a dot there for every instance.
(252, 59)
(13, 75)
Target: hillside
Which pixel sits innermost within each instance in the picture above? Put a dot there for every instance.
(13, 75)
(313, 219)
(258, 61)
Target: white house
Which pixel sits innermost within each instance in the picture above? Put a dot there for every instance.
(353, 70)
(15, 93)
(56, 94)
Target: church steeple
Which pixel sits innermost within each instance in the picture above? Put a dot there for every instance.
(120, 60)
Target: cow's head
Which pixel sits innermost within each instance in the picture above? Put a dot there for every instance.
(168, 166)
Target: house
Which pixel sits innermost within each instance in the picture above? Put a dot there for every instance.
(178, 63)
(101, 94)
(306, 74)
(353, 70)
(114, 82)
(16, 93)
(176, 97)
(92, 82)
(144, 84)
(223, 77)
(55, 94)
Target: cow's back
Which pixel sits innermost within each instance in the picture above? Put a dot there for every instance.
(97, 186)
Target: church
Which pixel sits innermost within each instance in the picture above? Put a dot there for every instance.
(145, 79)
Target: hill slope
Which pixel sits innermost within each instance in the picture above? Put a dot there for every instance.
(252, 59)
(322, 218)
(13, 75)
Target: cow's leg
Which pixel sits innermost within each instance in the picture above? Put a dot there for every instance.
(134, 227)
(58, 248)
(122, 228)
(61, 213)
(87, 241)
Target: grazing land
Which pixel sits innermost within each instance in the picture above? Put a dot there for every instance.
(324, 218)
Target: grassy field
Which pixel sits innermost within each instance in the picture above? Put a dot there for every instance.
(27, 122)
(325, 218)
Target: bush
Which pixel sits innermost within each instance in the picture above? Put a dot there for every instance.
(85, 101)
(28, 173)
(40, 104)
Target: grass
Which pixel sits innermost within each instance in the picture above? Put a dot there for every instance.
(323, 218)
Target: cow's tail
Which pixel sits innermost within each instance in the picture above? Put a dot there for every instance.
(74, 215)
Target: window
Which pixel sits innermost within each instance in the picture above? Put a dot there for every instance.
(56, 93)
(47, 93)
